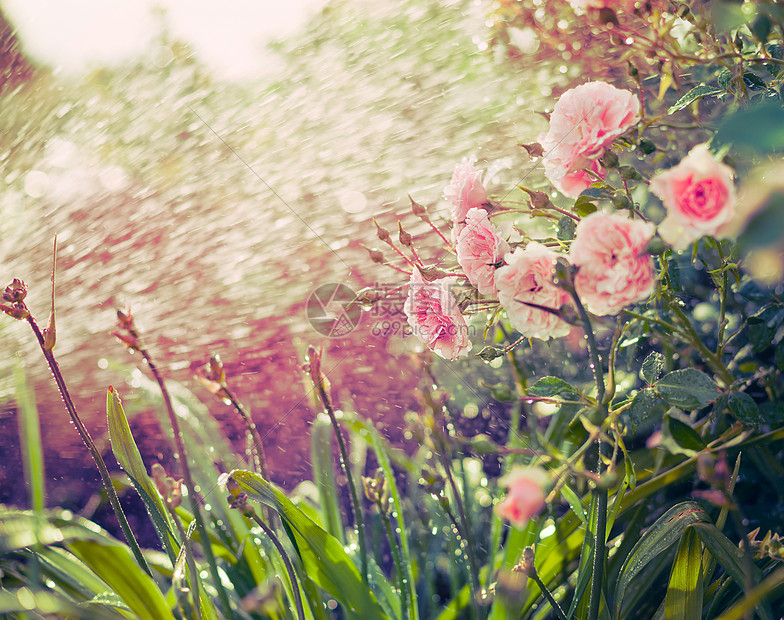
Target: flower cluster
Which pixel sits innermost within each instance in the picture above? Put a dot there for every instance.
(609, 250)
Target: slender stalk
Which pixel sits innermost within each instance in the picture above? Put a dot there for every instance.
(257, 447)
(346, 464)
(88, 441)
(189, 559)
(548, 595)
(283, 556)
(401, 576)
(599, 550)
(694, 339)
(462, 524)
(186, 474)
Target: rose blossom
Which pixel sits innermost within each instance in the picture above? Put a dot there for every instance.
(699, 196)
(526, 495)
(465, 191)
(614, 270)
(601, 4)
(479, 249)
(435, 318)
(584, 122)
(528, 277)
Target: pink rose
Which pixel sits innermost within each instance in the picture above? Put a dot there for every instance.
(584, 122)
(584, 5)
(614, 270)
(479, 249)
(699, 196)
(435, 317)
(526, 495)
(465, 191)
(528, 277)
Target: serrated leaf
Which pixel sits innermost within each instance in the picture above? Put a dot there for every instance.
(703, 90)
(664, 533)
(685, 592)
(547, 387)
(652, 367)
(688, 389)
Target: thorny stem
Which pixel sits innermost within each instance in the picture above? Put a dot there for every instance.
(186, 474)
(94, 452)
(284, 556)
(344, 461)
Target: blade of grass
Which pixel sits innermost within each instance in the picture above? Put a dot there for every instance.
(30, 438)
(685, 592)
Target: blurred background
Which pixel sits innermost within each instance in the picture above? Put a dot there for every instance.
(209, 168)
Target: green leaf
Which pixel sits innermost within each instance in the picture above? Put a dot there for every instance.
(685, 592)
(114, 563)
(323, 557)
(729, 556)
(642, 405)
(660, 536)
(382, 450)
(130, 459)
(757, 128)
(703, 90)
(744, 408)
(688, 389)
(585, 205)
(585, 568)
(765, 227)
(547, 387)
(652, 367)
(30, 438)
(566, 228)
(680, 438)
(323, 468)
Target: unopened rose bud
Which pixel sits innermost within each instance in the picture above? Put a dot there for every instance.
(431, 274)
(383, 233)
(376, 256)
(534, 149)
(417, 208)
(403, 236)
(539, 200)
